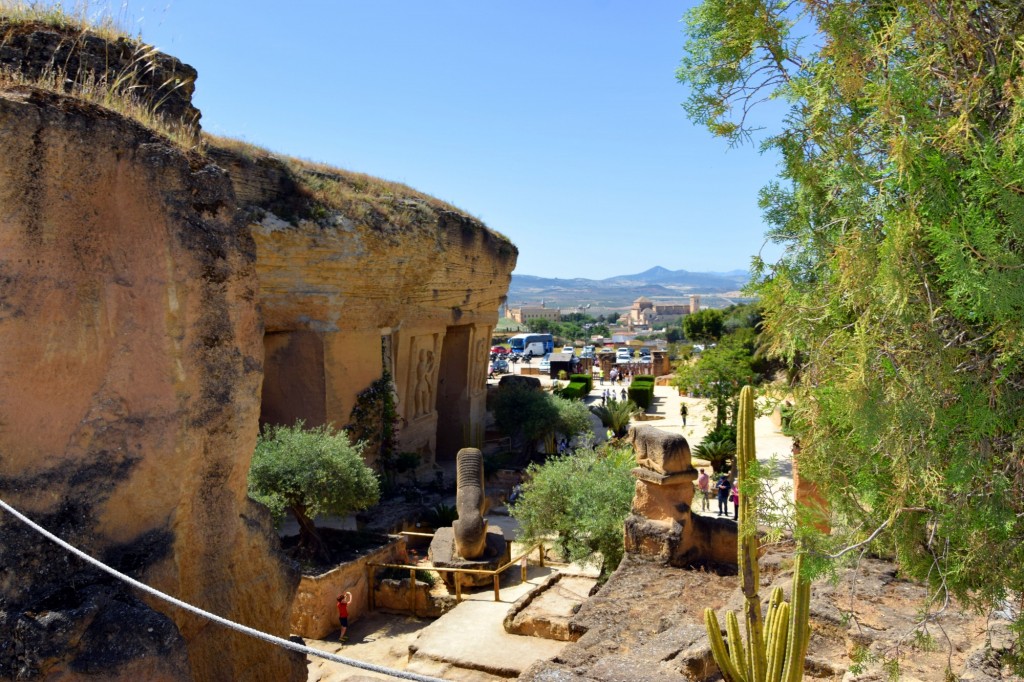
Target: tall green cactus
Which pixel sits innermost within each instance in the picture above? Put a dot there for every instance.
(780, 657)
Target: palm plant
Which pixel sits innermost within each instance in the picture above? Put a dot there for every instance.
(717, 452)
(616, 415)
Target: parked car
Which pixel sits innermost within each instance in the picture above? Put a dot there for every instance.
(499, 366)
(545, 363)
(499, 350)
(623, 355)
(568, 349)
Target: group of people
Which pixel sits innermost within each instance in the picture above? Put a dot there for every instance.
(724, 490)
(615, 375)
(609, 394)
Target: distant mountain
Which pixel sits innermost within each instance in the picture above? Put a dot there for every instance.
(710, 281)
(657, 283)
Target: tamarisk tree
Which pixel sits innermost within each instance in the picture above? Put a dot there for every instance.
(900, 291)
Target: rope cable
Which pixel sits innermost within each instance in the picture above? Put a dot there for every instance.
(272, 639)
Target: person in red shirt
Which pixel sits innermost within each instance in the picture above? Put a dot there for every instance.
(343, 601)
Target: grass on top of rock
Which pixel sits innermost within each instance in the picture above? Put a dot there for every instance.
(80, 16)
(117, 97)
(358, 196)
(121, 91)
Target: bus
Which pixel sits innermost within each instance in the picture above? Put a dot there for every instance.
(532, 345)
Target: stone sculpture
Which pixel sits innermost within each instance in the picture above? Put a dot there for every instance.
(661, 526)
(470, 528)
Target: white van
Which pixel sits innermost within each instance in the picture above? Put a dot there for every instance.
(623, 355)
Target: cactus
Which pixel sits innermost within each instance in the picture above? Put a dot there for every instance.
(775, 647)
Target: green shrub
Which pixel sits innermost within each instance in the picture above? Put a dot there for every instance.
(576, 390)
(717, 452)
(441, 515)
(642, 393)
(616, 415)
(786, 411)
(310, 472)
(725, 432)
(583, 499)
(586, 379)
(644, 377)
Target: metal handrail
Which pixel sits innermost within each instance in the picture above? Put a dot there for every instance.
(495, 573)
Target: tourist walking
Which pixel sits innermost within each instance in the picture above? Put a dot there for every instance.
(683, 412)
(723, 487)
(704, 485)
(735, 503)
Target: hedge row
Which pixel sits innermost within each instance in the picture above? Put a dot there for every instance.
(641, 391)
(576, 390)
(586, 379)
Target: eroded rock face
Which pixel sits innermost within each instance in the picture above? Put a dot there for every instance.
(74, 56)
(131, 370)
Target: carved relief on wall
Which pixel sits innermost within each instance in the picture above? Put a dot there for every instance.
(423, 366)
(479, 352)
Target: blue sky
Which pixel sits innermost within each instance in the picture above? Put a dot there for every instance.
(558, 123)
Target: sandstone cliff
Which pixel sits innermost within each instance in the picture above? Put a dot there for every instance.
(358, 276)
(131, 370)
(156, 306)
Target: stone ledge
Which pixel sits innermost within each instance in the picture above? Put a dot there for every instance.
(678, 478)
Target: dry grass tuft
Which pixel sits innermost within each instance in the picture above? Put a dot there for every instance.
(358, 196)
(80, 15)
(118, 96)
(122, 91)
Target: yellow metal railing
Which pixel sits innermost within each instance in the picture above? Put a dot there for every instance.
(494, 573)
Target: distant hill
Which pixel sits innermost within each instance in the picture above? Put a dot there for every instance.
(657, 284)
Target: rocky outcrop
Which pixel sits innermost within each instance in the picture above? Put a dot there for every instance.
(547, 610)
(131, 371)
(74, 57)
(646, 623)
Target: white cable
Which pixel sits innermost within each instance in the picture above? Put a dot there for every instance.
(215, 618)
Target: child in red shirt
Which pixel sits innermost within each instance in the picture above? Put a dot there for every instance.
(343, 601)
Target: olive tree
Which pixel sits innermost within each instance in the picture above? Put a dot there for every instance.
(581, 500)
(309, 472)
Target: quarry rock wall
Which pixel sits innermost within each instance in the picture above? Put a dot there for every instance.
(345, 299)
(157, 305)
(131, 372)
